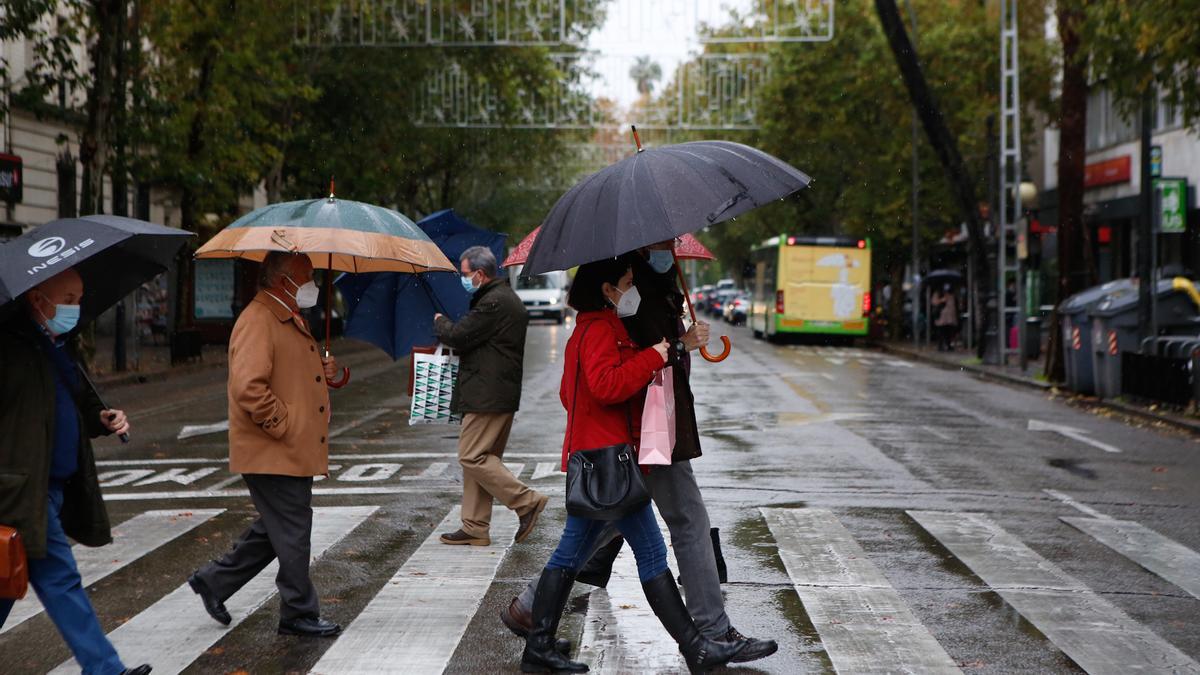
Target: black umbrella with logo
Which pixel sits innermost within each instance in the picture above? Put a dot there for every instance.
(113, 255)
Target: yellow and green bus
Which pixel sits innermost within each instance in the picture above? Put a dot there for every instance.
(811, 285)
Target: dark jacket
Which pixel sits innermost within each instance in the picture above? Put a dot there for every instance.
(491, 341)
(604, 383)
(660, 316)
(27, 432)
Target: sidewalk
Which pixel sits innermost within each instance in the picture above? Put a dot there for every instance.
(1032, 377)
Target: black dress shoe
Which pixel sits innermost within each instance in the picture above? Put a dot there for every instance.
(307, 627)
(755, 649)
(143, 669)
(214, 607)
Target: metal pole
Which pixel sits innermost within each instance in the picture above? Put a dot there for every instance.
(1145, 270)
(916, 186)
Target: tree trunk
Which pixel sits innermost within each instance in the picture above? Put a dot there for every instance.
(944, 143)
(1072, 154)
(94, 146)
(895, 309)
(120, 126)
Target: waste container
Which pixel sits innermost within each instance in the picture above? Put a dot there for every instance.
(1033, 337)
(1114, 329)
(1077, 332)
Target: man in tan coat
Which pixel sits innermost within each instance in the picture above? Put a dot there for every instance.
(278, 440)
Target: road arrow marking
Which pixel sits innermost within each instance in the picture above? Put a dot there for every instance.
(1072, 433)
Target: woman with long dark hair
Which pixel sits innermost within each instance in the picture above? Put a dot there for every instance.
(604, 381)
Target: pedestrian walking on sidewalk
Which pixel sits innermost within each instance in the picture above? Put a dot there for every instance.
(278, 440)
(604, 381)
(945, 306)
(673, 487)
(491, 341)
(48, 481)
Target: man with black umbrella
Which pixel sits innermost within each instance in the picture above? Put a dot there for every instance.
(49, 489)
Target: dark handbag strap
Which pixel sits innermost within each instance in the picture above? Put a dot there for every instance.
(575, 395)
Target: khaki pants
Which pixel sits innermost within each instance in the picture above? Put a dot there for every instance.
(480, 452)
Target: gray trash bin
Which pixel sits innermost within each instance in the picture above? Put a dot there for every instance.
(1033, 337)
(1077, 333)
(1114, 329)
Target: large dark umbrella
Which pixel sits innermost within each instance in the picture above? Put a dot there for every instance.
(114, 255)
(656, 195)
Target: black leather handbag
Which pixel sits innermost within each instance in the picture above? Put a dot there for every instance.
(605, 483)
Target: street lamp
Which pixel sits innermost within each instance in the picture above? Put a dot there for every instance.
(1029, 194)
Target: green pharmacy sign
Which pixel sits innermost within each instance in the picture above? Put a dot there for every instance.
(1170, 196)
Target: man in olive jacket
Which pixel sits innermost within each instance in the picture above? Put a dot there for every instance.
(491, 341)
(48, 485)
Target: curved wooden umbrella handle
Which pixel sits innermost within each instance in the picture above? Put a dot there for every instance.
(342, 382)
(719, 357)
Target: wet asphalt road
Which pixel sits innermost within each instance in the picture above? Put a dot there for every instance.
(863, 436)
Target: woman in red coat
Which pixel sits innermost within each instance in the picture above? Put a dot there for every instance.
(604, 382)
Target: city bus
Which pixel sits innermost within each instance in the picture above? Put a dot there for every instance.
(810, 285)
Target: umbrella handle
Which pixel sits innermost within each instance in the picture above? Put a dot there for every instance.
(346, 379)
(719, 357)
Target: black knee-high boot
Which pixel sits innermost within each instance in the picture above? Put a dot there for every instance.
(554, 587)
(700, 652)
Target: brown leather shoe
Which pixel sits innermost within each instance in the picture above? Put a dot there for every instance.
(530, 519)
(519, 620)
(460, 538)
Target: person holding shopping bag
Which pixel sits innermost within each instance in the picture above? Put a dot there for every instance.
(604, 379)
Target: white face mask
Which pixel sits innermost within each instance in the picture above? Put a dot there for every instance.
(630, 300)
(306, 295)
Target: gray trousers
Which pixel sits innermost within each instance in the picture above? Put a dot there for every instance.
(679, 502)
(282, 530)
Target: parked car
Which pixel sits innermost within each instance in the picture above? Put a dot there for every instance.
(716, 304)
(700, 297)
(544, 296)
(736, 307)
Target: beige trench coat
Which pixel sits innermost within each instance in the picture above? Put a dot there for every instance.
(278, 398)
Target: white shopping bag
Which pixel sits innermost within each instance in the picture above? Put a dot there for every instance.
(434, 376)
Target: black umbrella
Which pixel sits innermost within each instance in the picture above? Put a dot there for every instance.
(656, 195)
(114, 255)
(942, 277)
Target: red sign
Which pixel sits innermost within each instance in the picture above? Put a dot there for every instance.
(1108, 172)
(12, 178)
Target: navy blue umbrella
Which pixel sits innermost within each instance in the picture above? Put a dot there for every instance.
(393, 310)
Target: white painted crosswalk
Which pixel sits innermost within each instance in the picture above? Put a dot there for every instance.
(175, 631)
(420, 616)
(131, 540)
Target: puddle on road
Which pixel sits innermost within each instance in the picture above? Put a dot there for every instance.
(1074, 467)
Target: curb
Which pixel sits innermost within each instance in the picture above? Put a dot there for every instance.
(341, 346)
(1176, 421)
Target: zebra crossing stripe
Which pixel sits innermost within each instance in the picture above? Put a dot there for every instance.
(131, 540)
(417, 619)
(175, 631)
(621, 634)
(1095, 634)
(1167, 558)
(862, 620)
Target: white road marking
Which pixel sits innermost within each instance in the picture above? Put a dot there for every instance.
(417, 619)
(432, 472)
(1094, 633)
(175, 631)
(1165, 557)
(367, 473)
(514, 468)
(935, 432)
(227, 482)
(1070, 501)
(863, 622)
(896, 363)
(317, 491)
(546, 470)
(180, 476)
(190, 430)
(1072, 433)
(132, 539)
(836, 362)
(621, 634)
(123, 476)
(829, 376)
(344, 457)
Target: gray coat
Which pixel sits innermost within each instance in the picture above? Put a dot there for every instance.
(491, 341)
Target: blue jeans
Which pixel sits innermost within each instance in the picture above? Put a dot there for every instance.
(56, 580)
(639, 528)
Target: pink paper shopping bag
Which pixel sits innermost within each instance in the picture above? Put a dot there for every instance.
(658, 420)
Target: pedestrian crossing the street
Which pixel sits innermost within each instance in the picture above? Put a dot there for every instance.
(420, 615)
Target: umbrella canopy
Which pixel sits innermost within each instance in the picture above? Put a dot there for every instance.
(394, 311)
(113, 255)
(687, 247)
(942, 277)
(336, 234)
(655, 195)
